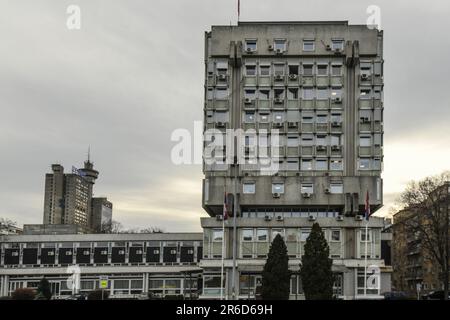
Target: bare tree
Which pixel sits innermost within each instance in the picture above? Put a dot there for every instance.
(111, 226)
(427, 201)
(7, 223)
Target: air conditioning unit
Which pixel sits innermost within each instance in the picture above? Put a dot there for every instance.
(306, 195)
(293, 77)
(279, 51)
(86, 252)
(359, 217)
(248, 101)
(279, 77)
(365, 120)
(337, 100)
(276, 195)
(312, 218)
(292, 124)
(220, 124)
(335, 148)
(14, 253)
(328, 47)
(321, 148)
(223, 77)
(270, 48)
(278, 100)
(280, 218)
(267, 218)
(335, 124)
(155, 251)
(190, 251)
(249, 50)
(173, 251)
(138, 251)
(337, 51)
(68, 253)
(121, 252)
(327, 191)
(365, 76)
(104, 252)
(219, 217)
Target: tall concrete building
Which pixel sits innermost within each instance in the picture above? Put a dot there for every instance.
(299, 107)
(68, 196)
(101, 213)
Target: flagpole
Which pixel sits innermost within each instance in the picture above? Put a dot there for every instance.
(365, 259)
(223, 255)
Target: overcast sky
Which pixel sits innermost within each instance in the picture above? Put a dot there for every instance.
(134, 72)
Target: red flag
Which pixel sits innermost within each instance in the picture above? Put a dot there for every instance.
(225, 207)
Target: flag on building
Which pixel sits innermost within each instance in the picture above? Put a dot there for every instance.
(367, 208)
(225, 207)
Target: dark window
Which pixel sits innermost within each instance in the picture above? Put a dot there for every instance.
(83, 255)
(65, 256)
(187, 254)
(135, 254)
(29, 256)
(12, 256)
(48, 256)
(101, 255)
(199, 253)
(153, 254)
(118, 255)
(170, 254)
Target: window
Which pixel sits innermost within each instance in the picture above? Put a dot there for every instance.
(365, 115)
(336, 188)
(250, 45)
(321, 164)
(292, 164)
(249, 187)
(307, 139)
(221, 93)
(377, 164)
(293, 69)
(278, 116)
(250, 94)
(336, 93)
(365, 237)
(307, 188)
(217, 235)
(336, 117)
(278, 187)
(264, 94)
(308, 45)
(364, 164)
(249, 117)
(247, 235)
(263, 117)
(292, 141)
(365, 141)
(304, 234)
(308, 93)
(307, 69)
(264, 70)
(321, 140)
(365, 93)
(306, 164)
(250, 70)
(292, 93)
(278, 93)
(336, 70)
(279, 44)
(322, 93)
(337, 44)
(262, 235)
(336, 235)
(336, 164)
(322, 118)
(278, 69)
(322, 70)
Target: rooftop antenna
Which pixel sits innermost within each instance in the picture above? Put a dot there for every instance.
(89, 154)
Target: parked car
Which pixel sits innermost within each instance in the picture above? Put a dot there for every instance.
(77, 297)
(395, 295)
(435, 295)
